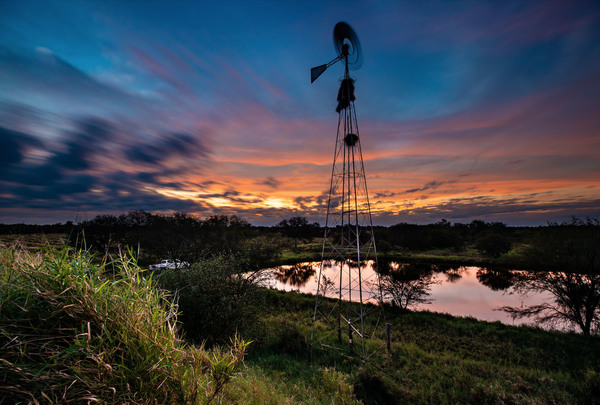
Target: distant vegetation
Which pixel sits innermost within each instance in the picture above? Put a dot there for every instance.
(182, 236)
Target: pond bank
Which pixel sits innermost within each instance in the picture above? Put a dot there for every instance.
(443, 257)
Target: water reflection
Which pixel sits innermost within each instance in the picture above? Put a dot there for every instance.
(296, 276)
(453, 274)
(523, 297)
(496, 280)
(575, 299)
(406, 285)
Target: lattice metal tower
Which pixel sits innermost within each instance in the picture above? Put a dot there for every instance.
(348, 286)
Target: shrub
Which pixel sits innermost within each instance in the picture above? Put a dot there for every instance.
(371, 389)
(216, 297)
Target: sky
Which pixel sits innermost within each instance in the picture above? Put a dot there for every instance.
(467, 109)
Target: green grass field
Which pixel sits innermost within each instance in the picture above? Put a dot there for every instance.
(35, 240)
(311, 251)
(79, 331)
(435, 359)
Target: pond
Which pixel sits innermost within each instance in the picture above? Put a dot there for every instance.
(460, 291)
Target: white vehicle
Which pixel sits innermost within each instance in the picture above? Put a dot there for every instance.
(169, 264)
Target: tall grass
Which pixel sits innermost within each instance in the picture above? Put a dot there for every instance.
(70, 333)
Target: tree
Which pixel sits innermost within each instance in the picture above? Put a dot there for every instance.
(298, 228)
(494, 245)
(576, 299)
(221, 233)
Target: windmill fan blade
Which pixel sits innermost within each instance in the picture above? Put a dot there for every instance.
(316, 72)
(343, 33)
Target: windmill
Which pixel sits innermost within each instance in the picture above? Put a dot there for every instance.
(347, 293)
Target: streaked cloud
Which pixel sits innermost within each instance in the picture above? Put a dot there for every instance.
(466, 110)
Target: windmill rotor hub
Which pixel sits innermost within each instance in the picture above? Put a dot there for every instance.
(345, 50)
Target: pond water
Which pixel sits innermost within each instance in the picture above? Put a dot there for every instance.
(461, 291)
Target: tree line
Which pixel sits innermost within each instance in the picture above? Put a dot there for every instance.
(191, 238)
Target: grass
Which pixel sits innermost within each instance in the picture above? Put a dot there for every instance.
(304, 251)
(70, 333)
(435, 359)
(73, 332)
(34, 240)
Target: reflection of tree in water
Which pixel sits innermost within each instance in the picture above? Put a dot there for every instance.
(406, 285)
(576, 299)
(573, 249)
(327, 287)
(453, 274)
(496, 280)
(296, 275)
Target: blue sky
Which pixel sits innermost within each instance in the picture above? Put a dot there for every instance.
(467, 109)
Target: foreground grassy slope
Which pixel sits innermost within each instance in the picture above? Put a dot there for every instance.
(74, 332)
(435, 358)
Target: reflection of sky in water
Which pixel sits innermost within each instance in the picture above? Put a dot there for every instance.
(464, 296)
(282, 279)
(468, 297)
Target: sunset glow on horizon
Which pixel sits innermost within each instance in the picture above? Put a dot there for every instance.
(467, 110)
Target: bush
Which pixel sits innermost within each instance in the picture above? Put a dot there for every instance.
(69, 334)
(493, 245)
(371, 389)
(216, 298)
